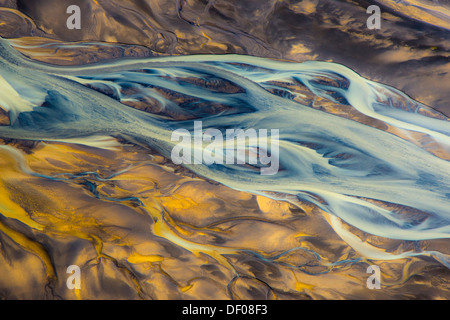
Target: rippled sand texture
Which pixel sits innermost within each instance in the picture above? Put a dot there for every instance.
(85, 171)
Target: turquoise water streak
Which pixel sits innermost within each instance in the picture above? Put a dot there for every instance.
(331, 161)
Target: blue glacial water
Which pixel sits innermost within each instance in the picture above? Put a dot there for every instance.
(351, 170)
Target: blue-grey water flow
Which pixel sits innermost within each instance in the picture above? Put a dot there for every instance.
(351, 170)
